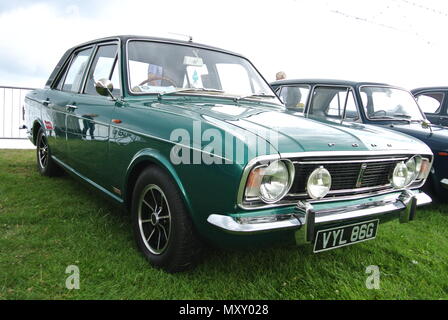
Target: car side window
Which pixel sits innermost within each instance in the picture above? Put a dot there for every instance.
(60, 82)
(75, 73)
(336, 106)
(103, 68)
(294, 97)
(351, 110)
(430, 102)
(329, 103)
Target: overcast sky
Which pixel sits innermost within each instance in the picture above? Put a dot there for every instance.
(396, 41)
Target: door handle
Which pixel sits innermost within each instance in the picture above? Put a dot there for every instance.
(71, 107)
(46, 103)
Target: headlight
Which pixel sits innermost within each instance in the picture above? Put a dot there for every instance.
(271, 182)
(414, 166)
(319, 183)
(400, 176)
(275, 182)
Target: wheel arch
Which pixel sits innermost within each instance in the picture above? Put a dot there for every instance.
(140, 162)
(36, 126)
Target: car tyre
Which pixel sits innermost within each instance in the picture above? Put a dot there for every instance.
(161, 223)
(45, 164)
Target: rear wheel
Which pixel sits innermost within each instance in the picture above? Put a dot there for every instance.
(45, 164)
(162, 226)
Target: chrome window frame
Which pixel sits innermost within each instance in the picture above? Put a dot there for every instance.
(92, 58)
(62, 75)
(84, 46)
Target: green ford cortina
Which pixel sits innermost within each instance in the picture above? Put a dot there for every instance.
(193, 142)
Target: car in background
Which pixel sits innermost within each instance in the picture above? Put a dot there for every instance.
(379, 104)
(194, 143)
(434, 103)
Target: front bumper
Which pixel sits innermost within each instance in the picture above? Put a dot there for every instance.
(307, 217)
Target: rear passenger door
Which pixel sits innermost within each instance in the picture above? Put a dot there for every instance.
(59, 98)
(432, 104)
(88, 122)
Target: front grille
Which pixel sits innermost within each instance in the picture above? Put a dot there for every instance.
(377, 174)
(348, 175)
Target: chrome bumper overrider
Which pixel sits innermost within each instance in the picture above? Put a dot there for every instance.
(306, 218)
(444, 182)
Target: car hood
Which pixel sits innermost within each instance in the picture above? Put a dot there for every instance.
(289, 133)
(297, 134)
(436, 137)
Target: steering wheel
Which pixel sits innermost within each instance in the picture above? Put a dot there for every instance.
(154, 77)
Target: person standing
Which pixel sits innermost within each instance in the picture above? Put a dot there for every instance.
(280, 76)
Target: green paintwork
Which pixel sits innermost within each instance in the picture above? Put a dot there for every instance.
(108, 158)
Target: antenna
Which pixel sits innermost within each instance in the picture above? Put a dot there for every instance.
(190, 38)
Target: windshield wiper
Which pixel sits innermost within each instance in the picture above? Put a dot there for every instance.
(382, 117)
(390, 118)
(256, 95)
(190, 89)
(401, 115)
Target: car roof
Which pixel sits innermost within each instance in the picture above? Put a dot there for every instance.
(439, 88)
(326, 82)
(124, 38)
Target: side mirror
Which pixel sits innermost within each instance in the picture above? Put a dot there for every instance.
(104, 87)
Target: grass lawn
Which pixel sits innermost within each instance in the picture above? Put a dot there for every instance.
(47, 224)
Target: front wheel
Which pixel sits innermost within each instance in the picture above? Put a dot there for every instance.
(162, 226)
(45, 164)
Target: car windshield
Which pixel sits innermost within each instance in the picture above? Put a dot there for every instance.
(390, 103)
(164, 68)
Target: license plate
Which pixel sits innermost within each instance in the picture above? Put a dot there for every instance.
(346, 235)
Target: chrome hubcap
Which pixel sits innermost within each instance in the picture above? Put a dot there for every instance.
(154, 219)
(43, 152)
